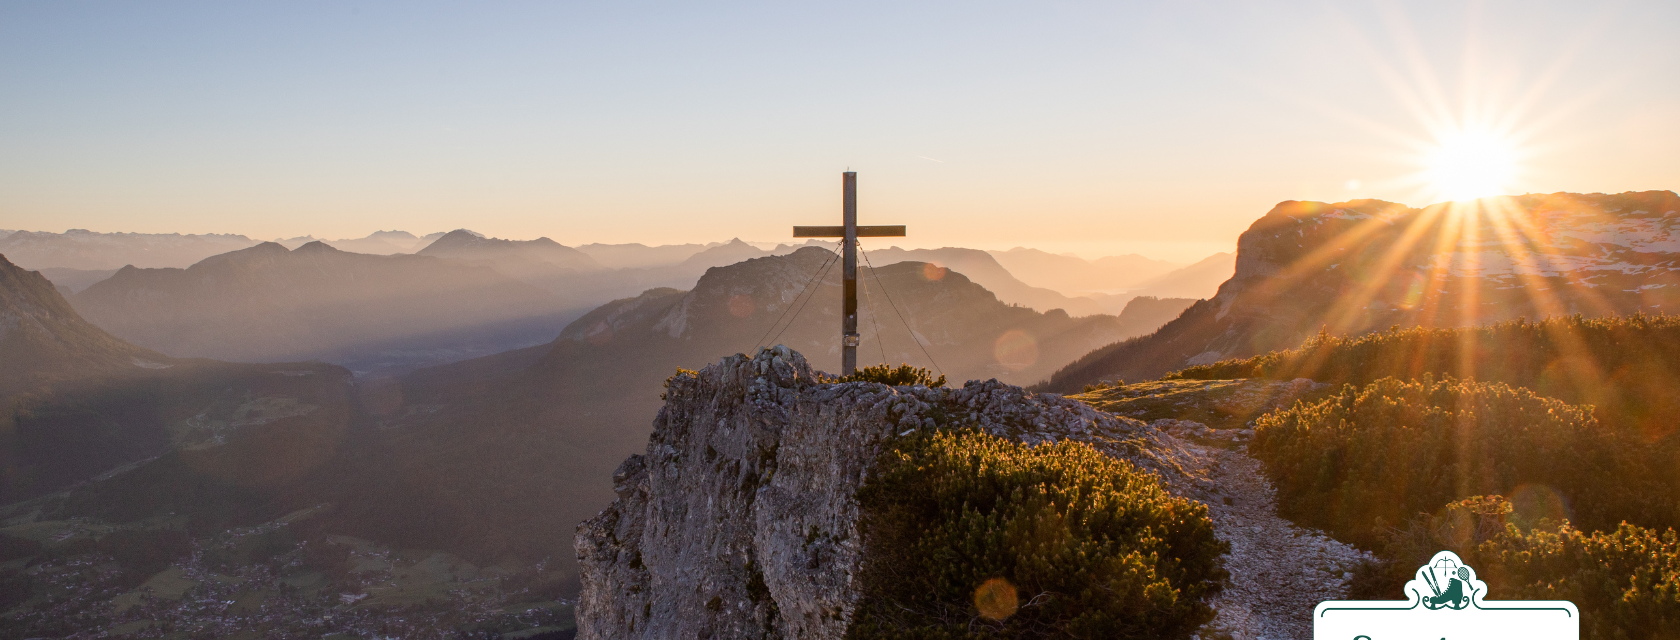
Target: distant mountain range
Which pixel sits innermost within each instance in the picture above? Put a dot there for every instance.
(379, 243)
(1365, 265)
(641, 256)
(1074, 275)
(1196, 281)
(1030, 277)
(88, 250)
(267, 304)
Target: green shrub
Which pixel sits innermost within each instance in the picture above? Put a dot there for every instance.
(1371, 458)
(971, 535)
(903, 376)
(1627, 367)
(1626, 581)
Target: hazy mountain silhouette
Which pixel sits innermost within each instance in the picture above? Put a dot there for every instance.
(640, 256)
(71, 281)
(1366, 265)
(1197, 281)
(1073, 275)
(1145, 314)
(383, 243)
(88, 250)
(81, 403)
(266, 303)
(984, 269)
(538, 259)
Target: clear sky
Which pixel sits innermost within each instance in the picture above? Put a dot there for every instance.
(1163, 128)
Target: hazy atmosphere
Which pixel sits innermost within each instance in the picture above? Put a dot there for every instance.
(1115, 127)
(844, 321)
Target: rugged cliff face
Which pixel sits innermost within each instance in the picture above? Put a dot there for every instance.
(1364, 265)
(741, 520)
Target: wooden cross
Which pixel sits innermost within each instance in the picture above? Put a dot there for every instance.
(850, 232)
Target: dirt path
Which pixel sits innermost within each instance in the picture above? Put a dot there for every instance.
(1279, 571)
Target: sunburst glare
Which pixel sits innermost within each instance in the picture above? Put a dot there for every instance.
(1471, 164)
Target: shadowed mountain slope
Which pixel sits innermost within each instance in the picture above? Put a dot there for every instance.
(43, 339)
(1353, 267)
(269, 304)
(79, 402)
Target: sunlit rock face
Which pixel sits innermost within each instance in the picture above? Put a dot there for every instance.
(741, 520)
(1365, 265)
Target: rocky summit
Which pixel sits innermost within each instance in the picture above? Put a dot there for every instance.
(742, 518)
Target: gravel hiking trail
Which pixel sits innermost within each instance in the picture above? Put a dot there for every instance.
(1279, 571)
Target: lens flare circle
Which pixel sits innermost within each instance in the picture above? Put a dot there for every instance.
(996, 599)
(1015, 349)
(1471, 164)
(741, 305)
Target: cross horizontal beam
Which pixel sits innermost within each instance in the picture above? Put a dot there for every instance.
(863, 231)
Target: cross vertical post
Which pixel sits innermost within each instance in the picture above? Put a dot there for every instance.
(848, 233)
(849, 337)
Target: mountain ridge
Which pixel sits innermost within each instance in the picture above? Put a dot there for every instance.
(1365, 265)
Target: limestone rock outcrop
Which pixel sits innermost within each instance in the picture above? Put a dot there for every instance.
(741, 520)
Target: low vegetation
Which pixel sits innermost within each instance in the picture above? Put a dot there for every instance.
(902, 376)
(1371, 457)
(974, 535)
(1624, 580)
(1547, 441)
(1627, 367)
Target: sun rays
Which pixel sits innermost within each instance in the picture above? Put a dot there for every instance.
(1453, 264)
(1478, 123)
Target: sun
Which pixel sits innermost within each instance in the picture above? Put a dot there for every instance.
(1466, 165)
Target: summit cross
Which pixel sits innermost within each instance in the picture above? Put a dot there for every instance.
(849, 232)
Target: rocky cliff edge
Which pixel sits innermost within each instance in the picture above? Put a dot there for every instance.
(741, 520)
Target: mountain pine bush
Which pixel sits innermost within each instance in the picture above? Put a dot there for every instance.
(1625, 581)
(1371, 458)
(903, 376)
(972, 535)
(1626, 366)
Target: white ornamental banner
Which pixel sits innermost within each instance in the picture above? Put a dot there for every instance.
(1444, 601)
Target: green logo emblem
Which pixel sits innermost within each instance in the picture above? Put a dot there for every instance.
(1447, 581)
